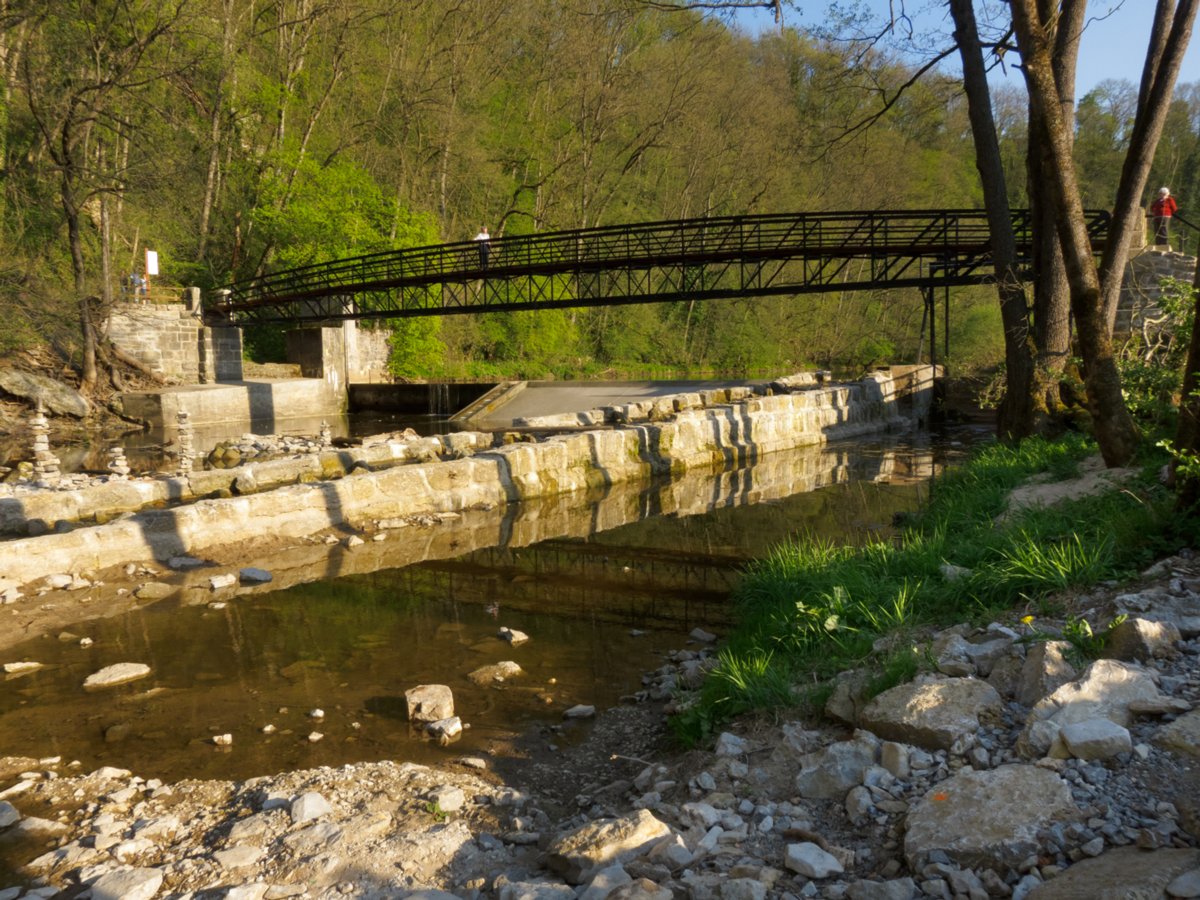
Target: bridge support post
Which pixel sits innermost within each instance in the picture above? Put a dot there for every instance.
(321, 353)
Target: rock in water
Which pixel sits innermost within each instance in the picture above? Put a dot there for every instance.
(429, 702)
(116, 674)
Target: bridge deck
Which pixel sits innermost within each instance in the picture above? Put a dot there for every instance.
(689, 259)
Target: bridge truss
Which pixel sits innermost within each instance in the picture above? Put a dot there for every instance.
(692, 259)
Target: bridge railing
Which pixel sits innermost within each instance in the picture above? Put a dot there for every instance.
(944, 234)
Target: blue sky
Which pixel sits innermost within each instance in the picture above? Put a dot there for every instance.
(1114, 44)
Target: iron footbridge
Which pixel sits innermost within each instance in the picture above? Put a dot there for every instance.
(690, 259)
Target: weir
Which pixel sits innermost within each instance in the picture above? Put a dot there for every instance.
(708, 431)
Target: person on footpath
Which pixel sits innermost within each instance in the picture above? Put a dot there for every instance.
(1161, 211)
(485, 246)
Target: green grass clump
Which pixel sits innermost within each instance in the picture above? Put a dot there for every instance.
(812, 609)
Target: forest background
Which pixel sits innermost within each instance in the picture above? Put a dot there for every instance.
(236, 137)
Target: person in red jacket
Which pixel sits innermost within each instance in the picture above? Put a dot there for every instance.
(1161, 210)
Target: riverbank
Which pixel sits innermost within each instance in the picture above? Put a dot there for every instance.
(922, 800)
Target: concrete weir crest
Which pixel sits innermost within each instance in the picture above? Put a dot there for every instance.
(393, 478)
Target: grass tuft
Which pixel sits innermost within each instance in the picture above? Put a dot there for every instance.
(811, 609)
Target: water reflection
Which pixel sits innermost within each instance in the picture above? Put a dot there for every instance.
(350, 631)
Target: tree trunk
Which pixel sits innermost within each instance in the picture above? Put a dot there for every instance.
(87, 328)
(1051, 293)
(1016, 416)
(1187, 434)
(1115, 430)
(1163, 61)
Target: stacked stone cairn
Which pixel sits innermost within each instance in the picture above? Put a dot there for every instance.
(118, 465)
(326, 435)
(46, 466)
(187, 437)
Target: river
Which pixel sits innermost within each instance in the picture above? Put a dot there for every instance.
(602, 603)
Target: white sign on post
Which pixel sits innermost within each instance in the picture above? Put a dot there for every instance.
(151, 262)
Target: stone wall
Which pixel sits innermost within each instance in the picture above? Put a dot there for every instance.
(163, 337)
(220, 355)
(700, 438)
(355, 354)
(1140, 292)
(367, 351)
(262, 404)
(169, 339)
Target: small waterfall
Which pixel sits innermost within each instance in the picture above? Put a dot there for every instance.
(439, 399)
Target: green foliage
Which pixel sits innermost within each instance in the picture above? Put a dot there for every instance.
(811, 609)
(1086, 644)
(417, 350)
(1151, 363)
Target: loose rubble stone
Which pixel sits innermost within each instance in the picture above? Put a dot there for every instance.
(1105, 690)
(811, 861)
(252, 575)
(932, 714)
(986, 819)
(1096, 739)
(578, 854)
(128, 884)
(1186, 885)
(828, 774)
(730, 745)
(9, 814)
(154, 590)
(309, 805)
(20, 668)
(513, 636)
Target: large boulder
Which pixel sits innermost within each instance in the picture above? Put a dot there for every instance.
(1105, 691)
(579, 854)
(1125, 873)
(987, 819)
(1142, 640)
(933, 713)
(429, 703)
(1183, 735)
(54, 396)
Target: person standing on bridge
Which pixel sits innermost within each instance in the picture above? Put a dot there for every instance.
(485, 246)
(1161, 210)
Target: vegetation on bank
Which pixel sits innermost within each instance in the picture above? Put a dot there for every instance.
(812, 609)
(240, 138)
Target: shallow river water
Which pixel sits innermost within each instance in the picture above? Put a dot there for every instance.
(602, 603)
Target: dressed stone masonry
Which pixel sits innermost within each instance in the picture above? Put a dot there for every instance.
(726, 428)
